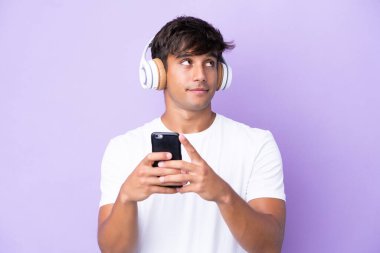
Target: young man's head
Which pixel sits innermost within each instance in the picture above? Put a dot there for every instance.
(188, 35)
(190, 50)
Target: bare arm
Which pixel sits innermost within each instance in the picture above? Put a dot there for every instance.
(117, 230)
(258, 226)
(117, 223)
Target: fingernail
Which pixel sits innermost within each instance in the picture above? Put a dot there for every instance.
(169, 155)
(160, 164)
(162, 179)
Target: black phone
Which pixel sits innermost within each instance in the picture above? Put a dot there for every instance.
(166, 142)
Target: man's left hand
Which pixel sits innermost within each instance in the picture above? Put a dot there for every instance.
(199, 175)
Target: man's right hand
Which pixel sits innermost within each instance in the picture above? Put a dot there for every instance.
(145, 179)
(117, 230)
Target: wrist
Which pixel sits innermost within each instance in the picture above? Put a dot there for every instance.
(124, 198)
(226, 198)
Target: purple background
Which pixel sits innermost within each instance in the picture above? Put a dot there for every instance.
(306, 70)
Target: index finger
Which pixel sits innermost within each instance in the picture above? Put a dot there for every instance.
(193, 154)
(157, 156)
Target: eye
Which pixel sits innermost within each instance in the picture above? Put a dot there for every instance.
(210, 63)
(185, 62)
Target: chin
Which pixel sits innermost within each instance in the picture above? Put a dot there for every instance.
(198, 108)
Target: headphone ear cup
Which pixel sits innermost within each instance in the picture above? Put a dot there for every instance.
(157, 74)
(220, 75)
(146, 75)
(228, 77)
(152, 73)
(161, 78)
(224, 76)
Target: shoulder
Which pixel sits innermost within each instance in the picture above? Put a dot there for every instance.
(243, 131)
(134, 138)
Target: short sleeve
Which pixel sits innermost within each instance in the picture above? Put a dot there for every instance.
(120, 158)
(266, 179)
(109, 181)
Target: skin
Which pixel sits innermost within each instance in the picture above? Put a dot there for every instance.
(258, 225)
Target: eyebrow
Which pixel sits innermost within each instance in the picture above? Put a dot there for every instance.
(188, 54)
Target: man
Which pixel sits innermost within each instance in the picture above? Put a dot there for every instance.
(232, 198)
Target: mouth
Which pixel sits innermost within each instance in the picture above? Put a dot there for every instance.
(198, 90)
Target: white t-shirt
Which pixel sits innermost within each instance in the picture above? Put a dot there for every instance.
(246, 158)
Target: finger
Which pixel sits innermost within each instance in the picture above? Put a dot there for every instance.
(162, 182)
(157, 172)
(162, 190)
(186, 188)
(177, 179)
(157, 156)
(157, 181)
(177, 164)
(193, 154)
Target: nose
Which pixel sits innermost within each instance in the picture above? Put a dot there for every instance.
(199, 73)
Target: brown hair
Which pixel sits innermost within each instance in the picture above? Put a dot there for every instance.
(191, 35)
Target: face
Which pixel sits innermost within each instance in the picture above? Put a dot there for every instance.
(191, 81)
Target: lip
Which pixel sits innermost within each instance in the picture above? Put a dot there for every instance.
(198, 91)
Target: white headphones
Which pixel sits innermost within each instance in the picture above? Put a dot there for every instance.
(153, 74)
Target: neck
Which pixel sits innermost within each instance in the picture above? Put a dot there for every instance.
(186, 122)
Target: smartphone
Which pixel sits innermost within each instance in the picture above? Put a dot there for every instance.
(166, 142)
